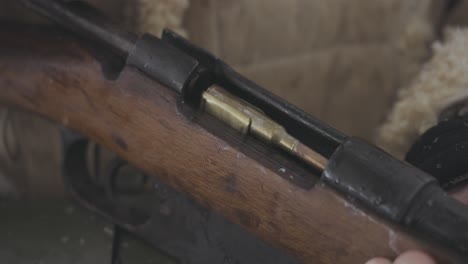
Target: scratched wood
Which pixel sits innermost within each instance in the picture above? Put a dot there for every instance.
(139, 119)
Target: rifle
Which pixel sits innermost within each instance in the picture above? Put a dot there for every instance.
(184, 116)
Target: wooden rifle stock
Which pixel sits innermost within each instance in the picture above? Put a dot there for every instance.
(139, 119)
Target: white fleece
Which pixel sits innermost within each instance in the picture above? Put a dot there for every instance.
(154, 15)
(441, 81)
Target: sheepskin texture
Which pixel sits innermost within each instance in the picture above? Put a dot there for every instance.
(153, 16)
(441, 82)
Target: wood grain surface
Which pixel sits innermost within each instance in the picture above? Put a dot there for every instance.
(52, 75)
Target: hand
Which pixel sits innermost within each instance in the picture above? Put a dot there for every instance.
(409, 257)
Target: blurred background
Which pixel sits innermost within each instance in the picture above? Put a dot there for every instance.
(341, 61)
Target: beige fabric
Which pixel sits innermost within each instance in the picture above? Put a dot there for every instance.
(342, 61)
(442, 81)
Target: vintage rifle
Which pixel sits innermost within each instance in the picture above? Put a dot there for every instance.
(179, 113)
